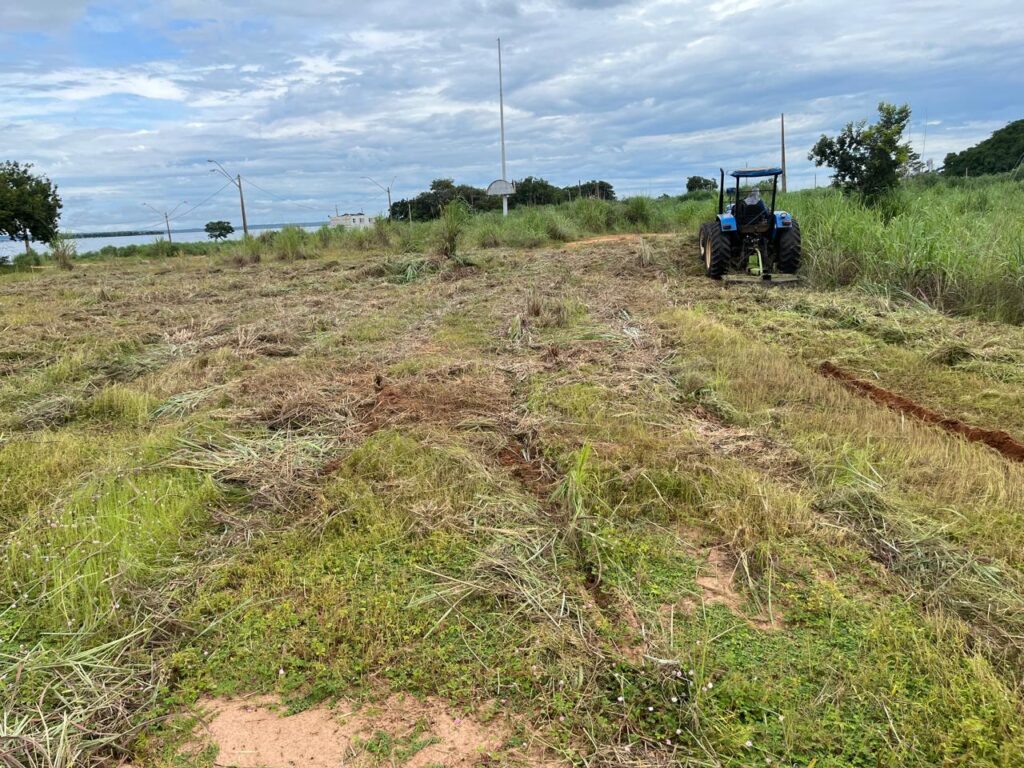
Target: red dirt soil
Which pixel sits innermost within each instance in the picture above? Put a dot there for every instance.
(1001, 441)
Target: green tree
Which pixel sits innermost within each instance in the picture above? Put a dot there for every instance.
(869, 159)
(999, 153)
(218, 230)
(537, 191)
(29, 204)
(701, 184)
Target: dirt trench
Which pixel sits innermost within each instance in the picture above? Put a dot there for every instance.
(1001, 441)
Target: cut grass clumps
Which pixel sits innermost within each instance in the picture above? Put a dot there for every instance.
(119, 404)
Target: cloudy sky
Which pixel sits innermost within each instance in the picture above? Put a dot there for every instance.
(123, 102)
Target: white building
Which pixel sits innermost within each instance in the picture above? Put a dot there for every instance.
(352, 221)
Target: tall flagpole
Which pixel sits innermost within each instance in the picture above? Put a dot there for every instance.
(501, 107)
(783, 153)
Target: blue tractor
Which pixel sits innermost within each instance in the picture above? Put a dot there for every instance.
(747, 228)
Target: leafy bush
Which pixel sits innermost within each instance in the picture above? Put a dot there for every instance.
(23, 260)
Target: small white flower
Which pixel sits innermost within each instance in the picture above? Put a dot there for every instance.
(280, 672)
(710, 686)
(620, 699)
(749, 744)
(692, 673)
(675, 699)
(650, 709)
(679, 731)
(781, 718)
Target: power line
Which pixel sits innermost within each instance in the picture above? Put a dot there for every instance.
(199, 205)
(252, 183)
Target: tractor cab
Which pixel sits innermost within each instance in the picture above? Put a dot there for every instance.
(749, 227)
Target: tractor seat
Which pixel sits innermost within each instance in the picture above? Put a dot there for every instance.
(752, 219)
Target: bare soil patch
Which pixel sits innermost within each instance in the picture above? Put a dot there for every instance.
(252, 733)
(717, 583)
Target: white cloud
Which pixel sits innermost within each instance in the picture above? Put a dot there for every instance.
(307, 96)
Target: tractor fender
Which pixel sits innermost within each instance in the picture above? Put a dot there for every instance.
(727, 222)
(783, 220)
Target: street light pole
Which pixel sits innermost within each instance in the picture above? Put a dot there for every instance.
(501, 110)
(386, 190)
(237, 181)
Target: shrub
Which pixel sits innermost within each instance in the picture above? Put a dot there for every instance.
(593, 216)
(292, 243)
(28, 260)
(639, 211)
(63, 251)
(454, 218)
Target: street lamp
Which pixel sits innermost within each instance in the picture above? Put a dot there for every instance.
(386, 190)
(237, 181)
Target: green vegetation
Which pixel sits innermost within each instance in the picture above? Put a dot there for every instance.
(531, 191)
(869, 159)
(1001, 152)
(580, 490)
(218, 230)
(953, 244)
(957, 248)
(29, 204)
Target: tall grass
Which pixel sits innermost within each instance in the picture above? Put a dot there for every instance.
(958, 249)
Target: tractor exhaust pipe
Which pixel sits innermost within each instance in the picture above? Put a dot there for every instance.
(721, 191)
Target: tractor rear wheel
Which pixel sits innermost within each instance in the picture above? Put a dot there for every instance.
(717, 250)
(788, 256)
(702, 236)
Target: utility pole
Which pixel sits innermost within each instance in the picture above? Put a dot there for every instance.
(167, 216)
(501, 111)
(241, 200)
(386, 190)
(237, 181)
(783, 153)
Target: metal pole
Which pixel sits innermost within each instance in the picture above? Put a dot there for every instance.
(241, 199)
(783, 153)
(501, 110)
(167, 221)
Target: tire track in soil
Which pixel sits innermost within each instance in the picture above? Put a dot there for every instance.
(999, 440)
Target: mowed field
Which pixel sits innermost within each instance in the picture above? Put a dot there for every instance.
(573, 505)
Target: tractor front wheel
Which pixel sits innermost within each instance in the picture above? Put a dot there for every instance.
(788, 256)
(716, 249)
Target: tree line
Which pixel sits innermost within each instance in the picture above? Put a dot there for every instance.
(529, 191)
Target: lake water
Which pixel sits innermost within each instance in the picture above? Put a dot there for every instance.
(10, 249)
